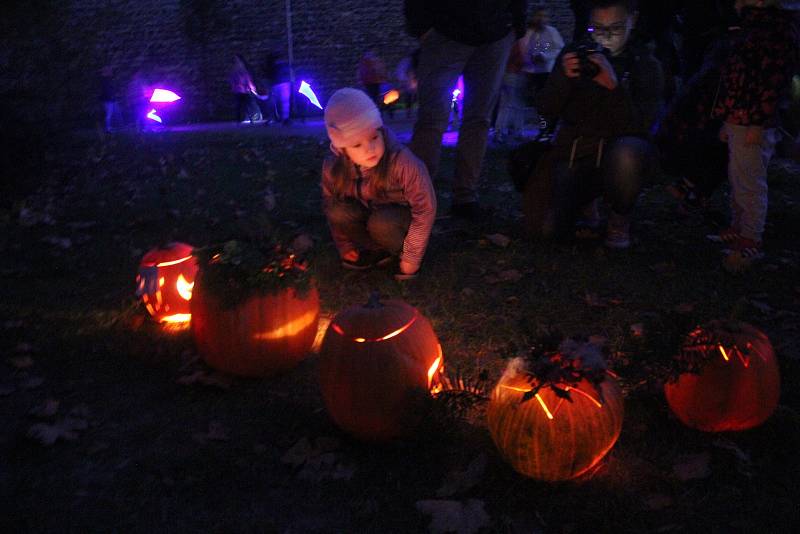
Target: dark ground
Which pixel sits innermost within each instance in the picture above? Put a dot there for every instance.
(148, 439)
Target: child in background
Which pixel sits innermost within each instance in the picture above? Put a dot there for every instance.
(754, 77)
(378, 197)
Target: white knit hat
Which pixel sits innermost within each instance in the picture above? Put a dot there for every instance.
(349, 113)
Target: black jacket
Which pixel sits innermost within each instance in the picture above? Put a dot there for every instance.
(582, 108)
(472, 22)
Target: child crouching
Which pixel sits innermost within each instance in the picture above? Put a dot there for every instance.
(378, 197)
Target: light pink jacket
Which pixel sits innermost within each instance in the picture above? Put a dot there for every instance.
(409, 185)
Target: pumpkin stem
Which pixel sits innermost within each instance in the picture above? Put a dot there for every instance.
(374, 300)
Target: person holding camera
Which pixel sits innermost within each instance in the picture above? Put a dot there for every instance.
(603, 98)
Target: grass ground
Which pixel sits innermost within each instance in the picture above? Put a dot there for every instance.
(146, 446)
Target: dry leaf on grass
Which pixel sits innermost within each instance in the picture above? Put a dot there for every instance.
(21, 362)
(66, 429)
(692, 467)
(206, 379)
(460, 517)
(461, 481)
(47, 409)
(500, 240)
(318, 461)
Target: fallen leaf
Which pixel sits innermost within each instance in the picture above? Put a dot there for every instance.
(299, 453)
(217, 432)
(302, 244)
(461, 481)
(467, 292)
(593, 300)
(23, 347)
(466, 517)
(21, 362)
(32, 382)
(66, 429)
(500, 240)
(658, 502)
(664, 267)
(687, 307)
(61, 242)
(692, 467)
(206, 379)
(7, 389)
(511, 275)
(47, 409)
(763, 307)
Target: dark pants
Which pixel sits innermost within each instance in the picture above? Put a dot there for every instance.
(558, 190)
(383, 227)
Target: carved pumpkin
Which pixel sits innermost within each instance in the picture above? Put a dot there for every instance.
(549, 437)
(378, 363)
(165, 282)
(261, 336)
(733, 383)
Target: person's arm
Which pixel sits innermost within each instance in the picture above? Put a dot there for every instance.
(343, 244)
(421, 198)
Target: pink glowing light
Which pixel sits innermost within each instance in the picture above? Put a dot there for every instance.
(163, 95)
(306, 91)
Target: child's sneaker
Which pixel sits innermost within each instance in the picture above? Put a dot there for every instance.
(368, 259)
(729, 236)
(743, 254)
(618, 233)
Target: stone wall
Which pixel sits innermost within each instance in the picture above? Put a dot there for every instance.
(52, 52)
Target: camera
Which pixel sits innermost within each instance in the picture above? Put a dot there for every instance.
(584, 49)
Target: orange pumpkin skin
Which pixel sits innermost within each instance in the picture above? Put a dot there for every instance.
(173, 269)
(578, 436)
(262, 336)
(728, 395)
(374, 369)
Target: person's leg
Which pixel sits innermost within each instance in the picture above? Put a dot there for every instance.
(624, 167)
(483, 75)
(109, 109)
(349, 217)
(388, 227)
(504, 108)
(747, 171)
(440, 63)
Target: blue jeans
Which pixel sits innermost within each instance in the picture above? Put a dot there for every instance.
(747, 174)
(441, 62)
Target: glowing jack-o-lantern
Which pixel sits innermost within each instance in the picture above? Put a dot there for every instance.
(263, 335)
(733, 382)
(378, 364)
(550, 437)
(165, 282)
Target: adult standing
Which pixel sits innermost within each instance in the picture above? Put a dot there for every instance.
(472, 38)
(543, 45)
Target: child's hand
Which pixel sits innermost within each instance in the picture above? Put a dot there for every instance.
(407, 268)
(754, 135)
(723, 134)
(350, 255)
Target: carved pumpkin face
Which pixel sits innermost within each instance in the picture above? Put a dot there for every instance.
(549, 437)
(378, 363)
(165, 282)
(738, 383)
(264, 335)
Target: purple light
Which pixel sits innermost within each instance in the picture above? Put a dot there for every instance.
(153, 116)
(458, 92)
(163, 95)
(306, 91)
